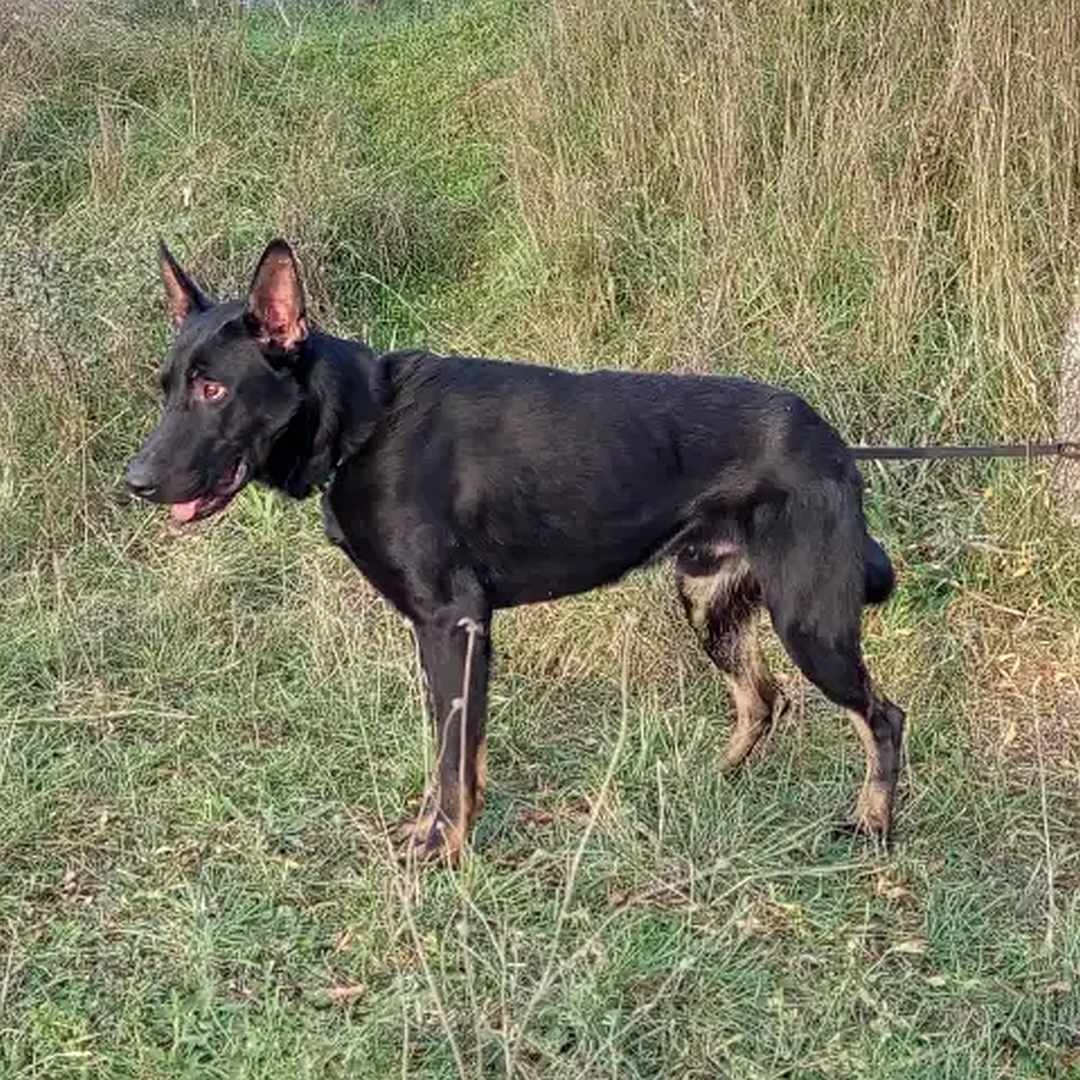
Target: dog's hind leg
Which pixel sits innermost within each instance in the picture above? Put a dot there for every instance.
(837, 669)
(881, 731)
(455, 652)
(722, 600)
(817, 615)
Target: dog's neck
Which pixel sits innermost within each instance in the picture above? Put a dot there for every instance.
(341, 392)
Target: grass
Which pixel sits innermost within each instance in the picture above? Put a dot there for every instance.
(204, 736)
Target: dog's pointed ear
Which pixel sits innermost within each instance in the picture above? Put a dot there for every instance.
(183, 295)
(276, 300)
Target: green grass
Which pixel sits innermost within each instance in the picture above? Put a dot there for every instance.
(204, 737)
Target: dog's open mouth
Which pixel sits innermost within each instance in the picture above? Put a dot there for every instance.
(216, 500)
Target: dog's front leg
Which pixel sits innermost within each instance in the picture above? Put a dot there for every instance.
(455, 649)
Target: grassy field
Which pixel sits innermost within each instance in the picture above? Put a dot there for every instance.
(204, 734)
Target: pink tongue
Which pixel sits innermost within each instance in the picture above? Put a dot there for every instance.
(185, 511)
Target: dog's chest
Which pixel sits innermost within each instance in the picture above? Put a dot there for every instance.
(367, 548)
(352, 532)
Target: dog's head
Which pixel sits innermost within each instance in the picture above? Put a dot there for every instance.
(228, 384)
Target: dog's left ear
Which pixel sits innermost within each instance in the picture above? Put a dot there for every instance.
(276, 299)
(183, 295)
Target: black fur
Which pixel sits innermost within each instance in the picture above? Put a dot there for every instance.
(459, 486)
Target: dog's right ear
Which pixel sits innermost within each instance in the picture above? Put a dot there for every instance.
(276, 299)
(183, 295)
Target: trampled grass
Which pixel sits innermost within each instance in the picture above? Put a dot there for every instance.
(204, 736)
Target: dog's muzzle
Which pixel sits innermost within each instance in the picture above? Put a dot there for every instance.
(140, 479)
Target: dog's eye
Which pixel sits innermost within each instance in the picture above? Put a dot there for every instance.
(209, 391)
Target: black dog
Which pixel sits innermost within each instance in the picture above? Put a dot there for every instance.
(459, 486)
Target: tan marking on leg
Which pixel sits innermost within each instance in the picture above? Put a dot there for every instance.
(757, 700)
(698, 593)
(753, 718)
(873, 809)
(481, 779)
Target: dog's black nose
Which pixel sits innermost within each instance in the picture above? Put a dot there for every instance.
(139, 478)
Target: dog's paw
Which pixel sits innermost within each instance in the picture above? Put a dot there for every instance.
(429, 838)
(872, 815)
(750, 730)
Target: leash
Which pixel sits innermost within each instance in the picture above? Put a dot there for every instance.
(1067, 450)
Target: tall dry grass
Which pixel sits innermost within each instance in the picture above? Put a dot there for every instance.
(875, 201)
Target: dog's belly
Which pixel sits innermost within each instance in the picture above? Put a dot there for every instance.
(526, 574)
(550, 582)
(514, 568)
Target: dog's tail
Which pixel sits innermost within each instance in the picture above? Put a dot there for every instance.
(880, 577)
